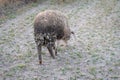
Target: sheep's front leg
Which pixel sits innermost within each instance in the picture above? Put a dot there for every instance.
(39, 53)
(55, 50)
(51, 51)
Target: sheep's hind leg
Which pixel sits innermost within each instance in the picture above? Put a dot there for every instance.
(39, 54)
(51, 51)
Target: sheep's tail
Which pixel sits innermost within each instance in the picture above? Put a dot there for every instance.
(74, 35)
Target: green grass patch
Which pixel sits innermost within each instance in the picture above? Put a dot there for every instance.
(34, 4)
(20, 66)
(78, 54)
(11, 16)
(92, 71)
(115, 77)
(65, 70)
(73, 78)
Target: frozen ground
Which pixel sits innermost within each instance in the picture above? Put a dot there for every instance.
(93, 55)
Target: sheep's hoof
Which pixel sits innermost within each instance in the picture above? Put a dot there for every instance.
(40, 62)
(55, 53)
(53, 57)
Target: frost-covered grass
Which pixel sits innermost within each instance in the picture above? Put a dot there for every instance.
(92, 55)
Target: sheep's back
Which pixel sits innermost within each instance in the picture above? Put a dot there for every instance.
(49, 22)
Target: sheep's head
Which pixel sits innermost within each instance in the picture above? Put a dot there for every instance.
(64, 40)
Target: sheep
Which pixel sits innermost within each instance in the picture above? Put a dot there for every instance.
(49, 26)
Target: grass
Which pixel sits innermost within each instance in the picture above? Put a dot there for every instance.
(64, 70)
(11, 33)
(74, 65)
(11, 16)
(29, 19)
(73, 78)
(10, 74)
(78, 54)
(21, 66)
(2, 20)
(78, 72)
(11, 11)
(12, 71)
(59, 49)
(2, 42)
(26, 56)
(115, 77)
(55, 78)
(92, 71)
(34, 4)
